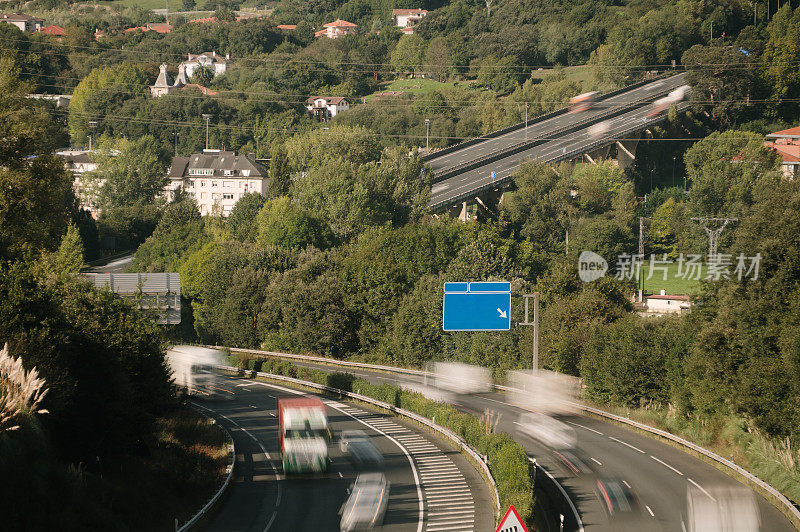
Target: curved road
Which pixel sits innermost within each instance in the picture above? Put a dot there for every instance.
(656, 472)
(433, 487)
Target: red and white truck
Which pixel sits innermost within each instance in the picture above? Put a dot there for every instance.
(304, 434)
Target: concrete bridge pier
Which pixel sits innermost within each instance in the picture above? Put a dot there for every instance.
(597, 155)
(626, 152)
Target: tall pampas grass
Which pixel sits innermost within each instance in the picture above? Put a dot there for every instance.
(21, 392)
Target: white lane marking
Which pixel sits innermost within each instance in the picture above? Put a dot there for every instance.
(274, 469)
(408, 456)
(665, 464)
(627, 485)
(585, 427)
(598, 462)
(627, 444)
(649, 510)
(340, 475)
(701, 489)
(564, 493)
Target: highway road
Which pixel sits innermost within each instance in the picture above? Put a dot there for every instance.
(460, 186)
(547, 128)
(116, 265)
(657, 473)
(433, 487)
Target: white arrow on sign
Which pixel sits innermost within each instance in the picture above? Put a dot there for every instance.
(502, 313)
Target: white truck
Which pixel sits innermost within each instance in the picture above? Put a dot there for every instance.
(193, 369)
(460, 378)
(304, 434)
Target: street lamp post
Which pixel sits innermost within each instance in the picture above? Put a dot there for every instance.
(427, 135)
(673, 171)
(176, 142)
(207, 118)
(92, 127)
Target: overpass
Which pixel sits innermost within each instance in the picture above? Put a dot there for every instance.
(479, 170)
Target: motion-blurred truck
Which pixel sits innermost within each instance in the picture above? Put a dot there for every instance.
(459, 378)
(193, 369)
(544, 391)
(304, 434)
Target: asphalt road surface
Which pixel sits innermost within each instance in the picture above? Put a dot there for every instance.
(657, 473)
(117, 265)
(433, 487)
(545, 128)
(449, 190)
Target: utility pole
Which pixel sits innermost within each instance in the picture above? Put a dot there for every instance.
(640, 277)
(713, 232)
(673, 171)
(92, 127)
(207, 118)
(427, 135)
(527, 104)
(535, 324)
(176, 142)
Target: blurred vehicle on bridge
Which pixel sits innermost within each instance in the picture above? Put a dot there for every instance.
(583, 102)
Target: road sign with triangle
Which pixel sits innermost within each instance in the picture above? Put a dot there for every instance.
(511, 522)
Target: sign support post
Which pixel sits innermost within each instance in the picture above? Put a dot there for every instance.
(535, 324)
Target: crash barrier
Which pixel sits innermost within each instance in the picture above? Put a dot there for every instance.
(204, 511)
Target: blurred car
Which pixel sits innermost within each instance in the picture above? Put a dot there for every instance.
(583, 102)
(366, 506)
(358, 446)
(721, 509)
(598, 130)
(550, 432)
(574, 461)
(617, 499)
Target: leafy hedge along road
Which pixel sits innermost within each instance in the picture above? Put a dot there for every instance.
(507, 460)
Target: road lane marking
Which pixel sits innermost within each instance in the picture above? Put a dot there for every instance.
(627, 485)
(626, 444)
(649, 510)
(665, 464)
(564, 493)
(596, 461)
(585, 427)
(701, 489)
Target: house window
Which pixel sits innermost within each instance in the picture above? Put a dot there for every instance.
(203, 195)
(227, 196)
(190, 182)
(214, 183)
(215, 196)
(228, 184)
(228, 172)
(202, 183)
(246, 173)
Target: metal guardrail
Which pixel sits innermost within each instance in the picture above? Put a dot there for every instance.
(787, 506)
(480, 459)
(213, 500)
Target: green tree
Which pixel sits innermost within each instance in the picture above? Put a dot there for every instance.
(36, 195)
(285, 224)
(407, 55)
(129, 171)
(438, 61)
(68, 258)
(189, 5)
(178, 233)
(203, 76)
(242, 220)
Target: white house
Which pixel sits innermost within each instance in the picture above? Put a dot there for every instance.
(216, 179)
(211, 60)
(667, 304)
(407, 18)
(78, 162)
(337, 28)
(25, 23)
(324, 108)
(787, 144)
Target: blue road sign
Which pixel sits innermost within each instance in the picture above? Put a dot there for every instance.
(477, 307)
(492, 175)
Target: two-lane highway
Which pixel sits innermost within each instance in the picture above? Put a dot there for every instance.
(433, 487)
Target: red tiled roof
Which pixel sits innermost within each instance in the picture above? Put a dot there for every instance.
(203, 20)
(408, 30)
(53, 30)
(790, 153)
(408, 11)
(786, 133)
(158, 28)
(339, 23)
(287, 26)
(320, 33)
(205, 90)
